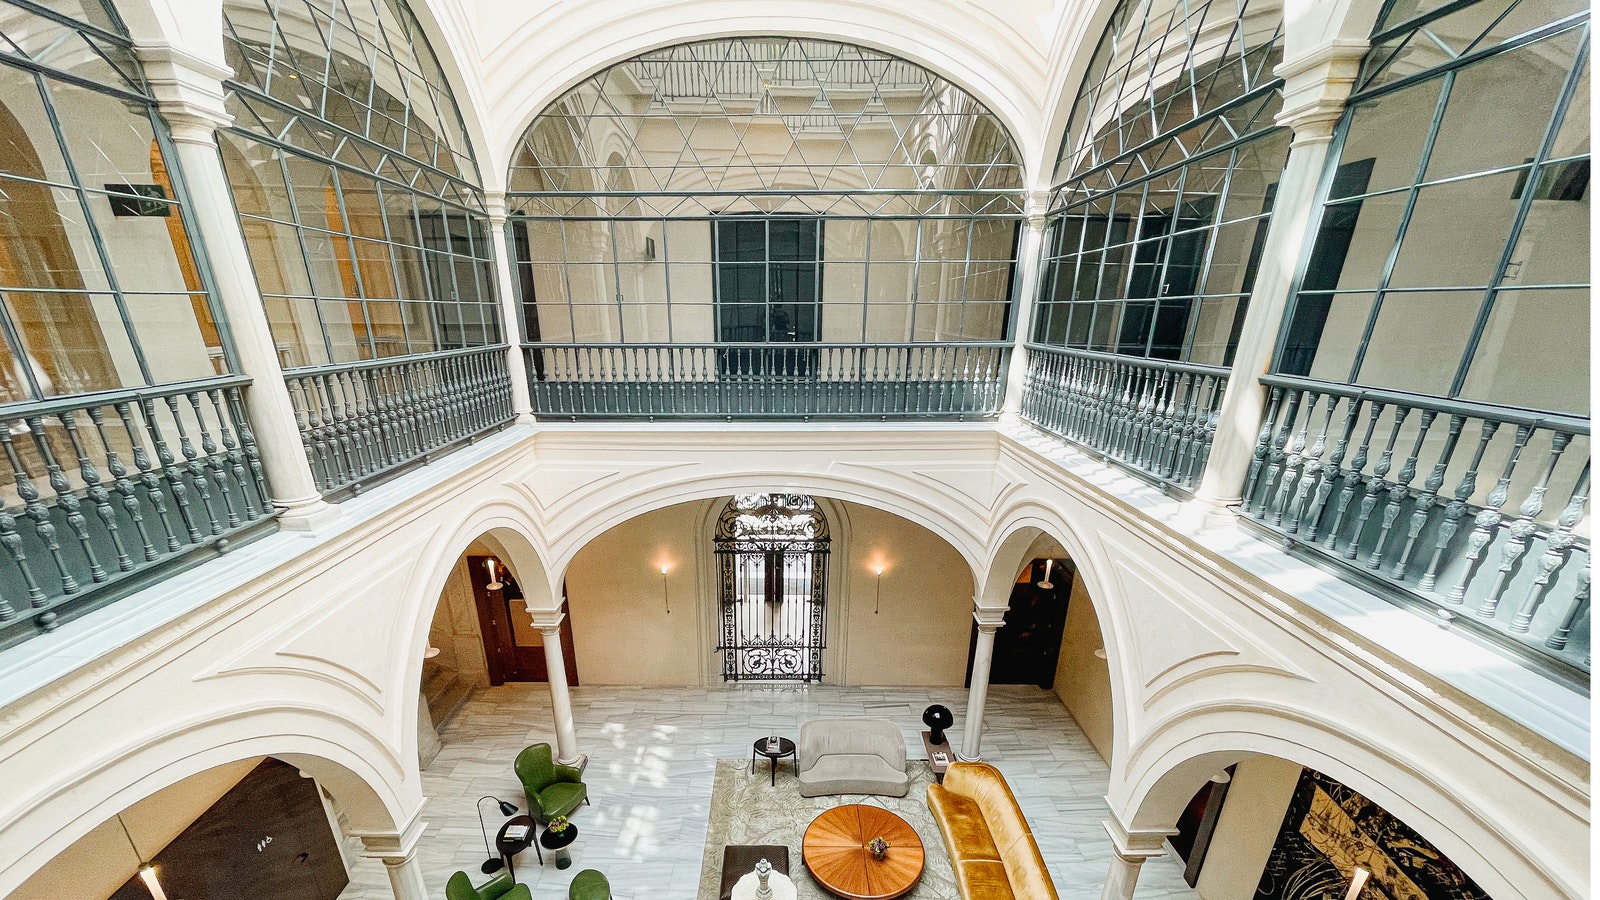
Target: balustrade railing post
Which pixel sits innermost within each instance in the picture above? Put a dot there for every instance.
(1316, 84)
(190, 96)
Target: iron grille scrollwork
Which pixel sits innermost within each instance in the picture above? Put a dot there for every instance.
(772, 553)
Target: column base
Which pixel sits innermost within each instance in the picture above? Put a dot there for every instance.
(962, 757)
(579, 762)
(306, 516)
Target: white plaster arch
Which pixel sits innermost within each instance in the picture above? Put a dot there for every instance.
(986, 56)
(644, 492)
(341, 755)
(1175, 756)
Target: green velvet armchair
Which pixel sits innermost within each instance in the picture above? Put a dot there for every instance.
(500, 887)
(589, 885)
(552, 789)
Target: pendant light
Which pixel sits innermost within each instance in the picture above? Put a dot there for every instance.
(147, 872)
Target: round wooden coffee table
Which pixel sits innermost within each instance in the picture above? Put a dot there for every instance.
(835, 850)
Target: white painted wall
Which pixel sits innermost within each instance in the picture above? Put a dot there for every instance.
(1248, 827)
(1083, 681)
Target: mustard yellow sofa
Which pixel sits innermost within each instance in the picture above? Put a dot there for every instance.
(994, 854)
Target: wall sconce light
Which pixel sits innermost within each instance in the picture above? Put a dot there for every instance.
(666, 599)
(1357, 882)
(1101, 652)
(878, 597)
(431, 652)
(147, 872)
(492, 566)
(1045, 582)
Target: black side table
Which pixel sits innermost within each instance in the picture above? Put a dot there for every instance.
(785, 748)
(510, 847)
(557, 844)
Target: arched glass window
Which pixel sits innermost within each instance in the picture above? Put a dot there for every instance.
(765, 190)
(1167, 177)
(772, 553)
(1452, 253)
(98, 277)
(356, 188)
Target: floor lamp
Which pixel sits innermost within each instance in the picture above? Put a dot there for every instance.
(494, 862)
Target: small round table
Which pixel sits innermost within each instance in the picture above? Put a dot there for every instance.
(510, 847)
(785, 748)
(557, 844)
(835, 851)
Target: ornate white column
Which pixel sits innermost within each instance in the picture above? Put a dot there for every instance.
(1030, 267)
(989, 621)
(190, 97)
(1315, 87)
(555, 661)
(1130, 848)
(516, 363)
(397, 850)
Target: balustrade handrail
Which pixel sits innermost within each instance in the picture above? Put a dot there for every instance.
(1508, 415)
(383, 361)
(1156, 417)
(101, 490)
(10, 412)
(1478, 511)
(758, 345)
(1144, 362)
(370, 419)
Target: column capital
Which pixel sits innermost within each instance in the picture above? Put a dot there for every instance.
(1315, 86)
(494, 204)
(188, 91)
(398, 845)
(1035, 205)
(989, 618)
(547, 620)
(1135, 844)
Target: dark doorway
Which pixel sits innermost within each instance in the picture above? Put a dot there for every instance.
(512, 647)
(768, 291)
(1028, 646)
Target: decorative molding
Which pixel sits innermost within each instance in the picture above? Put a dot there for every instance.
(1135, 844)
(1315, 86)
(398, 845)
(188, 91)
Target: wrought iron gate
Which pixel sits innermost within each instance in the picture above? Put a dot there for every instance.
(772, 551)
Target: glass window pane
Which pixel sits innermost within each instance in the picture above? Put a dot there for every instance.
(1546, 252)
(149, 250)
(1354, 242)
(109, 142)
(1529, 325)
(296, 331)
(177, 334)
(1498, 109)
(1418, 340)
(1457, 233)
(75, 342)
(47, 244)
(28, 145)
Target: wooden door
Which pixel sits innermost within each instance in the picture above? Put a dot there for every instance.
(513, 647)
(1028, 646)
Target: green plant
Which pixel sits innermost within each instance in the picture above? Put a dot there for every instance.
(558, 825)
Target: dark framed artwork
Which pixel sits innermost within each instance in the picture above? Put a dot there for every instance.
(1330, 829)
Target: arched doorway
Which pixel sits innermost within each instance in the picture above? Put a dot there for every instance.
(772, 560)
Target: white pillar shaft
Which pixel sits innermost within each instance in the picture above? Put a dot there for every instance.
(405, 877)
(267, 403)
(1122, 878)
(978, 692)
(1239, 418)
(560, 701)
(516, 363)
(1030, 266)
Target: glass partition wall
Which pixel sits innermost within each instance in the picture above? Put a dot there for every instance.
(1428, 425)
(1166, 182)
(362, 209)
(766, 227)
(121, 421)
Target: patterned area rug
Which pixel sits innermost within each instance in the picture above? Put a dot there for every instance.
(745, 809)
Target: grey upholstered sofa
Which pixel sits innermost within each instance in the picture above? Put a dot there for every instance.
(852, 756)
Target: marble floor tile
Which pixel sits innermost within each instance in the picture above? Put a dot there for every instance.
(653, 759)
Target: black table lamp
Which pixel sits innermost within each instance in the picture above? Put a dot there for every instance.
(494, 862)
(937, 718)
